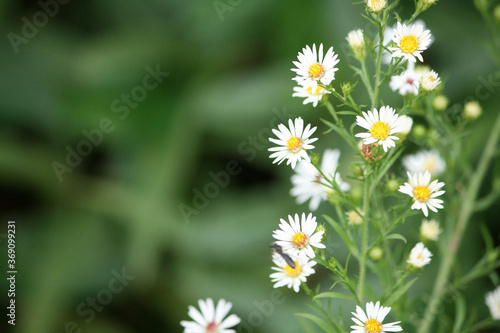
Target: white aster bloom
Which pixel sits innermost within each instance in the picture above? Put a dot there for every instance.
(299, 236)
(430, 230)
(308, 181)
(288, 276)
(410, 41)
(389, 33)
(419, 256)
(423, 192)
(312, 67)
(310, 96)
(293, 143)
(407, 82)
(376, 5)
(430, 81)
(493, 302)
(381, 127)
(211, 319)
(371, 321)
(425, 160)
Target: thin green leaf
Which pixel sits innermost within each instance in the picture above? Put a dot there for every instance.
(399, 292)
(396, 236)
(461, 311)
(334, 295)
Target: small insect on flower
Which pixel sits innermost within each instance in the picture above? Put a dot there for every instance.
(277, 249)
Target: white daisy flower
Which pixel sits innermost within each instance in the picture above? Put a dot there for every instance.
(411, 41)
(381, 127)
(419, 256)
(371, 321)
(293, 143)
(407, 82)
(493, 302)
(313, 67)
(376, 5)
(389, 33)
(425, 160)
(306, 178)
(423, 192)
(430, 230)
(310, 96)
(288, 276)
(429, 81)
(298, 237)
(211, 319)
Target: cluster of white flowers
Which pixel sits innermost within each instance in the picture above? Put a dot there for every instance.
(295, 239)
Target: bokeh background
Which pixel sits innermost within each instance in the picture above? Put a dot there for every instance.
(132, 204)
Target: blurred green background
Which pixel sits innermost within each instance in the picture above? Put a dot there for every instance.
(119, 207)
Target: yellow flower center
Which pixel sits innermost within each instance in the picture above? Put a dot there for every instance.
(421, 193)
(380, 130)
(299, 239)
(293, 272)
(373, 326)
(408, 44)
(316, 71)
(294, 144)
(317, 92)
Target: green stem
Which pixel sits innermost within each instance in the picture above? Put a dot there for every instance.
(463, 218)
(364, 244)
(378, 64)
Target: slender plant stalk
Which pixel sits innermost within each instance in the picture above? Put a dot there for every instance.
(463, 218)
(364, 244)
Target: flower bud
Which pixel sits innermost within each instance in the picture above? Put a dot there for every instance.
(321, 227)
(332, 263)
(425, 4)
(376, 253)
(346, 88)
(429, 81)
(392, 185)
(419, 131)
(354, 218)
(357, 44)
(376, 5)
(472, 110)
(440, 103)
(314, 159)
